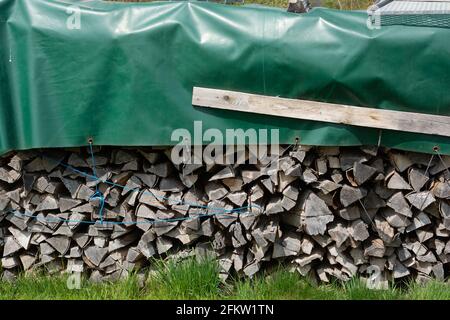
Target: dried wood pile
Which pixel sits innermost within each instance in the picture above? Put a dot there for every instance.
(328, 212)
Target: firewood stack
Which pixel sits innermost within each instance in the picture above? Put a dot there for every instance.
(327, 212)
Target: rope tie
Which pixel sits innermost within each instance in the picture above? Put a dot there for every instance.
(98, 195)
(101, 198)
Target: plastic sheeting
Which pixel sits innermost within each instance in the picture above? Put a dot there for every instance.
(123, 73)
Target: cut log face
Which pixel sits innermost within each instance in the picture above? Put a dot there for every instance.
(395, 219)
(66, 204)
(358, 257)
(225, 173)
(337, 177)
(350, 195)
(292, 242)
(400, 270)
(47, 203)
(328, 212)
(133, 185)
(373, 201)
(294, 171)
(237, 236)
(84, 193)
(16, 163)
(35, 165)
(256, 192)
(162, 228)
(423, 235)
(233, 184)
(95, 255)
(215, 191)
(14, 195)
(307, 245)
(333, 162)
(299, 155)
(21, 236)
(41, 184)
(442, 189)
(291, 192)
(445, 210)
(76, 161)
(163, 169)
(321, 166)
(421, 200)
(309, 176)
(143, 211)
(327, 186)
(268, 184)
(315, 214)
(397, 182)
(350, 213)
(274, 206)
(9, 262)
(358, 230)
(171, 184)
(163, 245)
(11, 246)
(339, 234)
(46, 249)
(384, 229)
(249, 176)
(287, 203)
(238, 198)
(60, 243)
(401, 161)
(27, 261)
(189, 180)
(417, 179)
(398, 203)
(376, 249)
(121, 242)
(284, 181)
(419, 221)
(362, 172)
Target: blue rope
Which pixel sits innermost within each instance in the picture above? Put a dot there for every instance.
(182, 202)
(99, 196)
(91, 151)
(53, 220)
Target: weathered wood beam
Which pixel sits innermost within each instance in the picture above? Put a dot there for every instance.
(321, 111)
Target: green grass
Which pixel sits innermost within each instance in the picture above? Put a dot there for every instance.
(200, 280)
(51, 287)
(187, 280)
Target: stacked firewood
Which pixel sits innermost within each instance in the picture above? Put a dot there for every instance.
(327, 212)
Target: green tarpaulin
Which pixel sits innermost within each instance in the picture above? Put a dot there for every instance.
(123, 73)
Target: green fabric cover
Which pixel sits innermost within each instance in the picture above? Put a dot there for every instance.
(126, 76)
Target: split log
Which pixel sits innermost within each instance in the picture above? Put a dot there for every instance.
(315, 214)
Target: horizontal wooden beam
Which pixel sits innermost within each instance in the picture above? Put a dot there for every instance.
(320, 111)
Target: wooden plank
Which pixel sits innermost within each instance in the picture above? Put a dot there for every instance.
(320, 111)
